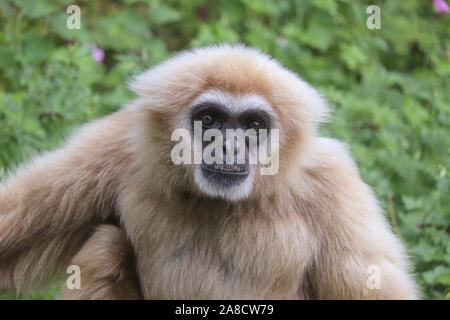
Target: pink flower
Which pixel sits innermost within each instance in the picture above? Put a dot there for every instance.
(441, 6)
(97, 53)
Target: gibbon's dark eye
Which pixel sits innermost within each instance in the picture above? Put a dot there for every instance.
(255, 124)
(208, 120)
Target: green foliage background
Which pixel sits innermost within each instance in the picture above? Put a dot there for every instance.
(389, 88)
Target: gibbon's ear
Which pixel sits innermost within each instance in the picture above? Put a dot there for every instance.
(312, 106)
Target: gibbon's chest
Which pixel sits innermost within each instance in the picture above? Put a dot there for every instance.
(246, 259)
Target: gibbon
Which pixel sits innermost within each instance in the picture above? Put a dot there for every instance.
(113, 202)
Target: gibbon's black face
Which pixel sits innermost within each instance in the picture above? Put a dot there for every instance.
(232, 167)
(233, 135)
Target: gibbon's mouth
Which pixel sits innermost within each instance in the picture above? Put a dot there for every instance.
(232, 169)
(225, 175)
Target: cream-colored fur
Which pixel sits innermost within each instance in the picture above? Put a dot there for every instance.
(310, 231)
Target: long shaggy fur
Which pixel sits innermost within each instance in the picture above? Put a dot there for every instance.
(310, 231)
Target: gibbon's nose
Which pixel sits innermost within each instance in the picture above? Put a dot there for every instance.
(236, 151)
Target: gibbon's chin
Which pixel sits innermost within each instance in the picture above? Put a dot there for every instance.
(229, 182)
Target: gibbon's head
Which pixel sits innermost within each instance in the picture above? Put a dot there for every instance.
(215, 91)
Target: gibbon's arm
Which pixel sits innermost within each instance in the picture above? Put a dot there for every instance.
(49, 207)
(107, 268)
(360, 256)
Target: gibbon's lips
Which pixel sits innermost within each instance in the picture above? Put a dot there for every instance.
(226, 168)
(225, 174)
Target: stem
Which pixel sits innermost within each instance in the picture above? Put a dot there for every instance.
(393, 216)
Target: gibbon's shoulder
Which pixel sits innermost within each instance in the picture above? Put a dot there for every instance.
(101, 136)
(117, 122)
(332, 180)
(333, 167)
(332, 152)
